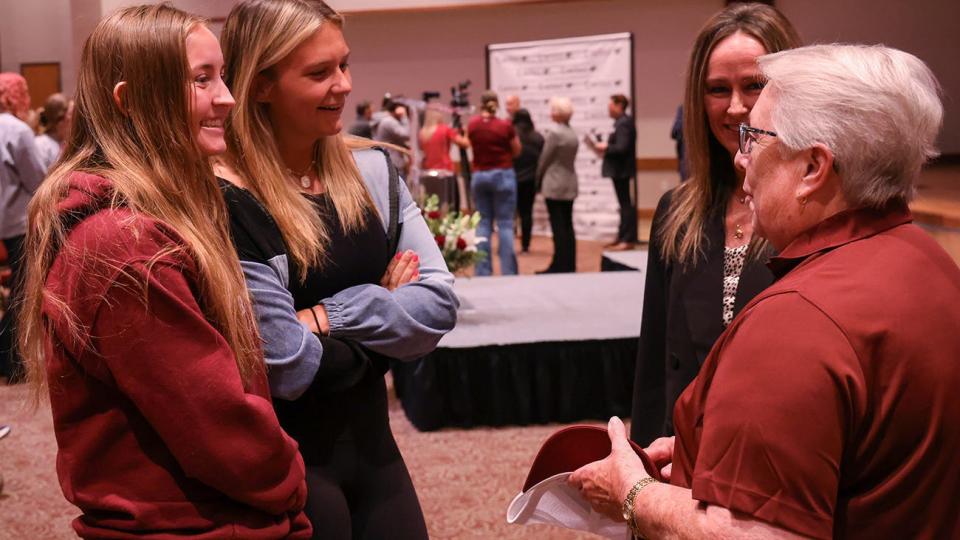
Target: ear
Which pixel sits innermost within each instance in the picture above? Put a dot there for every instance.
(119, 90)
(818, 170)
(262, 88)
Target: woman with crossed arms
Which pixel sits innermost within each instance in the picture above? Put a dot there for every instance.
(335, 298)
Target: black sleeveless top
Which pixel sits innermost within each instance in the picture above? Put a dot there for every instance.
(328, 412)
(351, 259)
(321, 419)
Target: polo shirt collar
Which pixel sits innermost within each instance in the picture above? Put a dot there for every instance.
(837, 230)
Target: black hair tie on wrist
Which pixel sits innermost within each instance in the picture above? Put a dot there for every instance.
(316, 320)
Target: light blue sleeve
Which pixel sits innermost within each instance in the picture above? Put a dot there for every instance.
(408, 322)
(291, 351)
(27, 159)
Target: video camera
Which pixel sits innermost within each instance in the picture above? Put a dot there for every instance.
(460, 95)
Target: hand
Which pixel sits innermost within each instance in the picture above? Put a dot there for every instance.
(606, 483)
(307, 318)
(661, 452)
(403, 268)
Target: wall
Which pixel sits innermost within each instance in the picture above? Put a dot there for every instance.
(411, 51)
(929, 29)
(381, 5)
(36, 31)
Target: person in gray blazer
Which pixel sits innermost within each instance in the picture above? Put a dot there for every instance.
(557, 181)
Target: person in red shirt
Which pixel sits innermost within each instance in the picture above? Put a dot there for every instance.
(136, 320)
(828, 408)
(436, 136)
(494, 183)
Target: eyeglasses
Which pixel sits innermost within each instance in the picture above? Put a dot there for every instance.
(750, 135)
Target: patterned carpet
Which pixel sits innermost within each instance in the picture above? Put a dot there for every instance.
(465, 478)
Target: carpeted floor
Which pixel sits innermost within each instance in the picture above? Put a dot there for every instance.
(464, 478)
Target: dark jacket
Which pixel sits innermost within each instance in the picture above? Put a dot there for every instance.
(682, 318)
(525, 165)
(620, 159)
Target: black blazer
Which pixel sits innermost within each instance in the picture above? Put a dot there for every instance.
(682, 318)
(620, 158)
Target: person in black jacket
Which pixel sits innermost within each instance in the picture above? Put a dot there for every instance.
(620, 164)
(703, 264)
(525, 165)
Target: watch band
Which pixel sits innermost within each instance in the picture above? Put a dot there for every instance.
(628, 504)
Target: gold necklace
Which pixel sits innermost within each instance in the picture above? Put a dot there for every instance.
(304, 177)
(738, 232)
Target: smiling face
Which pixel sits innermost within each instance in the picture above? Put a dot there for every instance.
(210, 101)
(732, 86)
(306, 91)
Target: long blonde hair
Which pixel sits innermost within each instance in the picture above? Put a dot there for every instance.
(431, 119)
(257, 35)
(712, 174)
(150, 156)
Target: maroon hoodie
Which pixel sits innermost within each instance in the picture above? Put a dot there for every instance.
(158, 436)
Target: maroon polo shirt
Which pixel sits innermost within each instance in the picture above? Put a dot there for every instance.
(831, 405)
(490, 139)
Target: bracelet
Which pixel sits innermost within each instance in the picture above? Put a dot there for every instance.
(628, 504)
(316, 320)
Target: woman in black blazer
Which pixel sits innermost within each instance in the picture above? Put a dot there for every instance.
(703, 265)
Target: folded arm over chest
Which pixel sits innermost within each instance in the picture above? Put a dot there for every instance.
(409, 321)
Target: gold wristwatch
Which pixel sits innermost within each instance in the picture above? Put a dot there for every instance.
(628, 504)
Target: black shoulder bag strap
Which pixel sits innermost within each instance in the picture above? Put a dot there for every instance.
(393, 195)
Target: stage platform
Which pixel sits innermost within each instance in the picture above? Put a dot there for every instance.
(619, 261)
(528, 350)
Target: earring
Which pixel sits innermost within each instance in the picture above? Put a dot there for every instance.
(802, 200)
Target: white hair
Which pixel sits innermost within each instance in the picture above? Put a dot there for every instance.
(878, 110)
(562, 108)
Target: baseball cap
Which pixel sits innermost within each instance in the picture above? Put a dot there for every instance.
(546, 496)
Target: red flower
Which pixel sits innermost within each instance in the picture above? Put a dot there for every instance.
(441, 240)
(433, 214)
(461, 243)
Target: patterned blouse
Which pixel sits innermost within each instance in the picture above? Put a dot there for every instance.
(733, 259)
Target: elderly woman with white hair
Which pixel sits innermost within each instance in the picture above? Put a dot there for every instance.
(557, 181)
(828, 408)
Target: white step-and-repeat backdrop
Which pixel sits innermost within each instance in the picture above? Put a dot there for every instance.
(588, 70)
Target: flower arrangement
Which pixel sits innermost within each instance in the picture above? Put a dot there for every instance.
(456, 235)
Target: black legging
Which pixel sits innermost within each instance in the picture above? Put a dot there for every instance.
(526, 193)
(358, 486)
(388, 509)
(564, 239)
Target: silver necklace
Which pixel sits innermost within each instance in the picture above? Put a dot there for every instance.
(304, 177)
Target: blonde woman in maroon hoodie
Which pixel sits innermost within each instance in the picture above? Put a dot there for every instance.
(136, 321)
